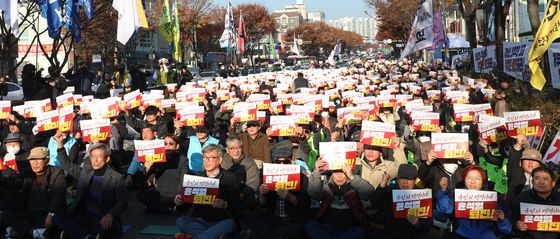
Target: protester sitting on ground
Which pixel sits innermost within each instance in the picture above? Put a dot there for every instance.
(162, 178)
(341, 214)
(474, 178)
(212, 221)
(411, 227)
(136, 173)
(13, 149)
(42, 194)
(255, 143)
(284, 211)
(101, 195)
(194, 147)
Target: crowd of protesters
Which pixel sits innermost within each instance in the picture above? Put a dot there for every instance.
(63, 186)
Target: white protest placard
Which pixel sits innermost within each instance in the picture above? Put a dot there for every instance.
(527, 123)
(475, 204)
(552, 154)
(414, 202)
(338, 154)
(200, 190)
(484, 59)
(377, 134)
(540, 217)
(95, 129)
(281, 176)
(150, 150)
(283, 125)
(554, 63)
(450, 145)
(515, 58)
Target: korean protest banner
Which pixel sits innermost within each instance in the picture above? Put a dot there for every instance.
(539, 217)
(47, 121)
(527, 123)
(377, 134)
(553, 150)
(282, 125)
(554, 63)
(132, 99)
(262, 101)
(9, 161)
(425, 121)
(516, 58)
(95, 129)
(150, 150)
(5, 109)
(475, 204)
(492, 129)
(152, 99)
(450, 145)
(287, 99)
(277, 107)
(228, 105)
(64, 100)
(66, 119)
(200, 190)
(243, 112)
(484, 59)
(338, 154)
(463, 113)
(281, 176)
(354, 115)
(191, 95)
(303, 114)
(414, 202)
(191, 116)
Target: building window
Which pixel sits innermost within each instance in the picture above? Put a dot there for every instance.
(284, 21)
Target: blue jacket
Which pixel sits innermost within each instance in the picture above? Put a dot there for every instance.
(135, 166)
(53, 147)
(475, 229)
(194, 154)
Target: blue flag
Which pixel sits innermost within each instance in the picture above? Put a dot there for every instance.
(72, 19)
(52, 11)
(88, 8)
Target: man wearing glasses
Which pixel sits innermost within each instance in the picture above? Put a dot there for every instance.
(255, 143)
(212, 221)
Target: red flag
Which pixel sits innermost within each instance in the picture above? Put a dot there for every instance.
(282, 45)
(241, 34)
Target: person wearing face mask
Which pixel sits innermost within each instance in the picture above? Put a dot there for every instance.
(405, 228)
(341, 213)
(13, 150)
(42, 194)
(474, 178)
(162, 179)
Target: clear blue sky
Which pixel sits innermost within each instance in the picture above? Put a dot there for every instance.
(333, 9)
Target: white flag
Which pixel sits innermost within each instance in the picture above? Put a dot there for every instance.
(128, 19)
(295, 48)
(334, 53)
(10, 10)
(228, 36)
(421, 35)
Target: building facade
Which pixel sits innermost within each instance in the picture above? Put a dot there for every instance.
(364, 26)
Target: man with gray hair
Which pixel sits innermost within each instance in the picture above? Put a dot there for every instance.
(241, 165)
(212, 221)
(100, 197)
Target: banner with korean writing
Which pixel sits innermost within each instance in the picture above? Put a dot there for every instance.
(516, 58)
(132, 99)
(152, 99)
(276, 107)
(527, 123)
(425, 121)
(303, 114)
(492, 129)
(243, 112)
(150, 150)
(191, 95)
(5, 109)
(475, 204)
(262, 101)
(66, 119)
(377, 134)
(414, 202)
(554, 63)
(354, 115)
(450, 145)
(98, 129)
(9, 161)
(228, 105)
(287, 99)
(200, 190)
(463, 112)
(484, 59)
(64, 100)
(338, 154)
(539, 217)
(281, 176)
(47, 121)
(282, 125)
(192, 116)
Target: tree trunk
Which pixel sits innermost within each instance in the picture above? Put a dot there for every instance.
(500, 25)
(471, 29)
(534, 18)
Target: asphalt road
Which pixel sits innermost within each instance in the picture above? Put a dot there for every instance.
(135, 218)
